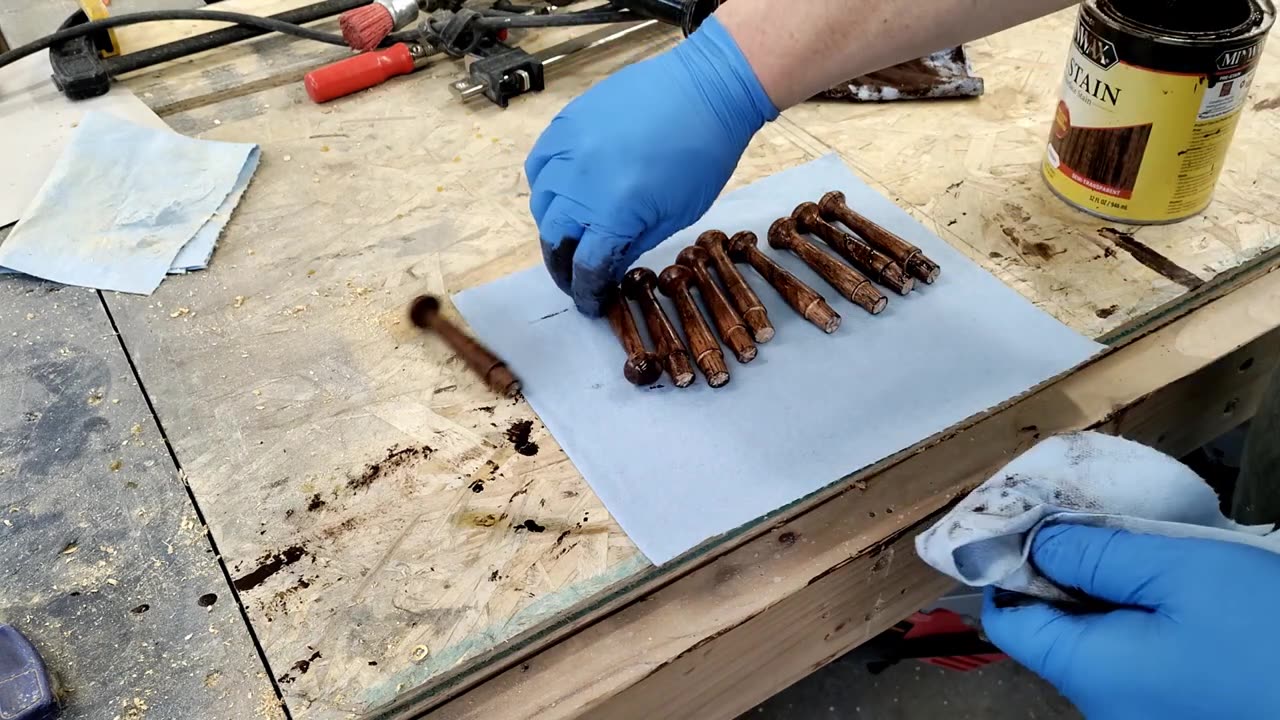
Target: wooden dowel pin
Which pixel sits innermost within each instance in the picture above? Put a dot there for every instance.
(641, 285)
(881, 267)
(641, 367)
(727, 321)
(425, 313)
(674, 283)
(850, 283)
(744, 298)
(743, 247)
(834, 208)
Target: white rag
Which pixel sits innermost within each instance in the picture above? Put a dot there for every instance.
(126, 204)
(1083, 478)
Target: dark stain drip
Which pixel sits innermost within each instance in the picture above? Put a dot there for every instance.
(314, 503)
(531, 525)
(518, 435)
(1152, 259)
(396, 457)
(560, 539)
(551, 315)
(477, 487)
(1107, 312)
(1042, 250)
(269, 565)
(301, 667)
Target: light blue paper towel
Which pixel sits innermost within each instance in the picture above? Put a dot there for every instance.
(676, 467)
(126, 204)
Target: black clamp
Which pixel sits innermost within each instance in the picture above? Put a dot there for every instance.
(506, 72)
(79, 70)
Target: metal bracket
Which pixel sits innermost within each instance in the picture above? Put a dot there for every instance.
(504, 73)
(477, 84)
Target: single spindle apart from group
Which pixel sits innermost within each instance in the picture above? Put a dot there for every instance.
(865, 255)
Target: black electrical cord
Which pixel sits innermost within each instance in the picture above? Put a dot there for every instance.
(118, 65)
(235, 18)
(586, 17)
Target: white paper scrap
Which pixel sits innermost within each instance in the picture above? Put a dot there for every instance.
(677, 467)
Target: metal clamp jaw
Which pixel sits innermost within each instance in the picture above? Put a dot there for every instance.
(503, 73)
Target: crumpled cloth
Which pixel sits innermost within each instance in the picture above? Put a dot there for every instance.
(125, 204)
(1084, 478)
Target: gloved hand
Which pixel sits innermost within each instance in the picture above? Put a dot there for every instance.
(1188, 631)
(640, 156)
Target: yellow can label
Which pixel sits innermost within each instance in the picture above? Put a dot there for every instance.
(1140, 143)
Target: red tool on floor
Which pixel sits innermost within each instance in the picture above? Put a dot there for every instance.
(939, 637)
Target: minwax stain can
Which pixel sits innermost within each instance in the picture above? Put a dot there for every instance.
(1150, 101)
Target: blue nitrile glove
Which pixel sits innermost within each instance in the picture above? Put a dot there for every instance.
(1188, 631)
(640, 156)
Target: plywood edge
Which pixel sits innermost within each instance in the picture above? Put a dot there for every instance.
(597, 661)
(620, 594)
(733, 671)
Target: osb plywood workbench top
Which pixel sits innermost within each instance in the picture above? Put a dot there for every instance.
(386, 520)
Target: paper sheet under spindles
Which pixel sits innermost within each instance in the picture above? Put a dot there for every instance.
(677, 467)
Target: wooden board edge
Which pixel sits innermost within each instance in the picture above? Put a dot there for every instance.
(1219, 286)
(857, 601)
(1132, 375)
(618, 596)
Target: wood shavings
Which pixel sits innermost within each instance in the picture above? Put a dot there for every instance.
(180, 312)
(420, 653)
(239, 299)
(116, 465)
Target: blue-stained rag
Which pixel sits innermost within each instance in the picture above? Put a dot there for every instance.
(125, 205)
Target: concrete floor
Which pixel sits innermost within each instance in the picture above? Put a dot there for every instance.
(912, 690)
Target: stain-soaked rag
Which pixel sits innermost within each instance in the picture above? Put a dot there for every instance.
(125, 204)
(1082, 478)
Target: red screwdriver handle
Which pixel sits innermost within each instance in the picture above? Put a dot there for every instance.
(358, 73)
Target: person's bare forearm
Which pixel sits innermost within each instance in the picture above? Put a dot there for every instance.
(799, 48)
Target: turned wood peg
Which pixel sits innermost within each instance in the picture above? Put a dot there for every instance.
(641, 286)
(851, 284)
(727, 321)
(880, 266)
(675, 283)
(641, 366)
(744, 247)
(744, 299)
(834, 209)
(424, 312)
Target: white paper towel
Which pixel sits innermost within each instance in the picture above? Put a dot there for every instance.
(1084, 479)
